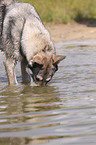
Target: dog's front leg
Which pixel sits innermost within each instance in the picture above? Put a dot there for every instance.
(10, 70)
(25, 75)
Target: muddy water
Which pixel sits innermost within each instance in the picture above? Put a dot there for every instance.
(62, 113)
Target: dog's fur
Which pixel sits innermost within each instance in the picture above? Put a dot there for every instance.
(24, 38)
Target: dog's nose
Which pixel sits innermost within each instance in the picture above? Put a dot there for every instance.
(39, 78)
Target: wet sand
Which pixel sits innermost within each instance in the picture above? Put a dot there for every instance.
(74, 31)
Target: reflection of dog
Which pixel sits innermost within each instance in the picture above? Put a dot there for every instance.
(25, 39)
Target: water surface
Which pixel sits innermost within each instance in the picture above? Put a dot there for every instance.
(62, 113)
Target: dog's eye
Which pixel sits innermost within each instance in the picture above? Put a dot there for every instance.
(37, 65)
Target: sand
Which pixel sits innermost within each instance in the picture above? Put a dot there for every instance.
(73, 31)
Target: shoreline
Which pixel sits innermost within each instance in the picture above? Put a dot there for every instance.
(71, 31)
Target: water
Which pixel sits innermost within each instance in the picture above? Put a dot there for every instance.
(62, 113)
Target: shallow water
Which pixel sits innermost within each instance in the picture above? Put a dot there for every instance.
(62, 113)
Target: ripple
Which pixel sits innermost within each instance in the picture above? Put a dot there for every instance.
(64, 112)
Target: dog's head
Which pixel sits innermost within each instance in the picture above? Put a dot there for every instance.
(43, 67)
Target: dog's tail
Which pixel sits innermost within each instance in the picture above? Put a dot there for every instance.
(3, 5)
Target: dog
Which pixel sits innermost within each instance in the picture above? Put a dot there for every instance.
(24, 38)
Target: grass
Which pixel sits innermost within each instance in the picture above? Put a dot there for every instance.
(64, 11)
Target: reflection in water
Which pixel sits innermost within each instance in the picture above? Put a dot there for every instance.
(64, 112)
(28, 98)
(20, 107)
(20, 100)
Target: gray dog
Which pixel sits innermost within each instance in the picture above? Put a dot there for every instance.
(24, 38)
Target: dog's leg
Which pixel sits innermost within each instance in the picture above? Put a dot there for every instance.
(10, 70)
(25, 75)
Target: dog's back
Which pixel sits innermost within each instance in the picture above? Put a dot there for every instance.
(23, 31)
(11, 11)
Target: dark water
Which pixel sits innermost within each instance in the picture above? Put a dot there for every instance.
(62, 113)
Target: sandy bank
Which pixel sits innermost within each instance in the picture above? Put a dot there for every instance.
(67, 32)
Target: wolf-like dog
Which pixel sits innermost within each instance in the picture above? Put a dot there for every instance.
(24, 38)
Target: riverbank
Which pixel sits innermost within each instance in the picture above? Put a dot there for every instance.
(71, 31)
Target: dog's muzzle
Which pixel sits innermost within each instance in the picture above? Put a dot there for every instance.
(40, 80)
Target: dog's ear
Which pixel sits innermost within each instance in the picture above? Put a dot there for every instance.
(36, 59)
(58, 58)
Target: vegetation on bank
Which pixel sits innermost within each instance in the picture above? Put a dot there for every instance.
(64, 11)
